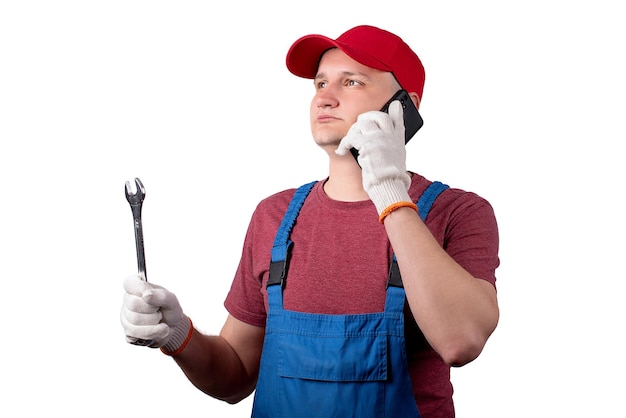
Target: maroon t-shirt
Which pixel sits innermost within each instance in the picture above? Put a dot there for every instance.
(340, 261)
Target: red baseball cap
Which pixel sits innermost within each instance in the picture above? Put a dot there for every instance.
(368, 45)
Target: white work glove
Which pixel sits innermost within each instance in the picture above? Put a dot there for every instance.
(379, 138)
(151, 313)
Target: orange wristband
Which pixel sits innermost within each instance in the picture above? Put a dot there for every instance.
(183, 345)
(395, 206)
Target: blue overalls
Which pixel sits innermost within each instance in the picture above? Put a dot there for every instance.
(325, 366)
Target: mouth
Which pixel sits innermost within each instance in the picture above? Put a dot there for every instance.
(325, 118)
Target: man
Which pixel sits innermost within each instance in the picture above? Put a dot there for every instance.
(349, 299)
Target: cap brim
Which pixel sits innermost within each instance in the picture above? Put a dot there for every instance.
(304, 55)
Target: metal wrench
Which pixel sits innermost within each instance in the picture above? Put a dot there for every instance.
(136, 200)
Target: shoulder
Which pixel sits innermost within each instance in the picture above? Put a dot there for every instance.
(278, 199)
(465, 225)
(272, 208)
(452, 201)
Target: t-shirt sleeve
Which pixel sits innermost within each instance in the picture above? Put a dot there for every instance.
(245, 299)
(471, 236)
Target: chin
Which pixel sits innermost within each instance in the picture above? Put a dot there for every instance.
(327, 142)
(326, 138)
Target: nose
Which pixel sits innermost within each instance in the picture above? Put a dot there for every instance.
(326, 97)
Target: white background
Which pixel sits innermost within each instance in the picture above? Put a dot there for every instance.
(524, 104)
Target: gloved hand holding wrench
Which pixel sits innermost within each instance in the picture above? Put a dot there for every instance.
(151, 315)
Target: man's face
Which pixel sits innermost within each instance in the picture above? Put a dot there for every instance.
(344, 89)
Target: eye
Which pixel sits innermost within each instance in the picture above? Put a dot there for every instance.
(352, 82)
(320, 85)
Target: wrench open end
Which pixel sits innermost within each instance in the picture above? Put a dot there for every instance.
(135, 198)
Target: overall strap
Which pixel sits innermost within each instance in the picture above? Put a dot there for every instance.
(282, 243)
(427, 199)
(424, 204)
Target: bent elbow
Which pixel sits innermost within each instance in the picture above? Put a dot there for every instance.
(235, 397)
(460, 354)
(232, 400)
(469, 343)
(464, 349)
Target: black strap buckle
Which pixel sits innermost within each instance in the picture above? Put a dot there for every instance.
(395, 279)
(278, 272)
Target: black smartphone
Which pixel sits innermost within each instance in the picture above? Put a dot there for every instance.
(412, 119)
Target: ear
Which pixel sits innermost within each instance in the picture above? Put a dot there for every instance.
(416, 99)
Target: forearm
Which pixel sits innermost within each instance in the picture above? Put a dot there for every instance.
(214, 367)
(456, 312)
(224, 366)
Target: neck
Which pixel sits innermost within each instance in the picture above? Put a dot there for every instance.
(345, 182)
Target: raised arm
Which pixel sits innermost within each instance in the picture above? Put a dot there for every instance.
(456, 312)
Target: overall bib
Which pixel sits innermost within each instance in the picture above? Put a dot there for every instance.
(325, 366)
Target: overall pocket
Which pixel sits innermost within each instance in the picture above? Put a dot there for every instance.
(332, 376)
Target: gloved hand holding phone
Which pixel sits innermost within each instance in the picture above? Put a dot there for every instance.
(380, 140)
(152, 313)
